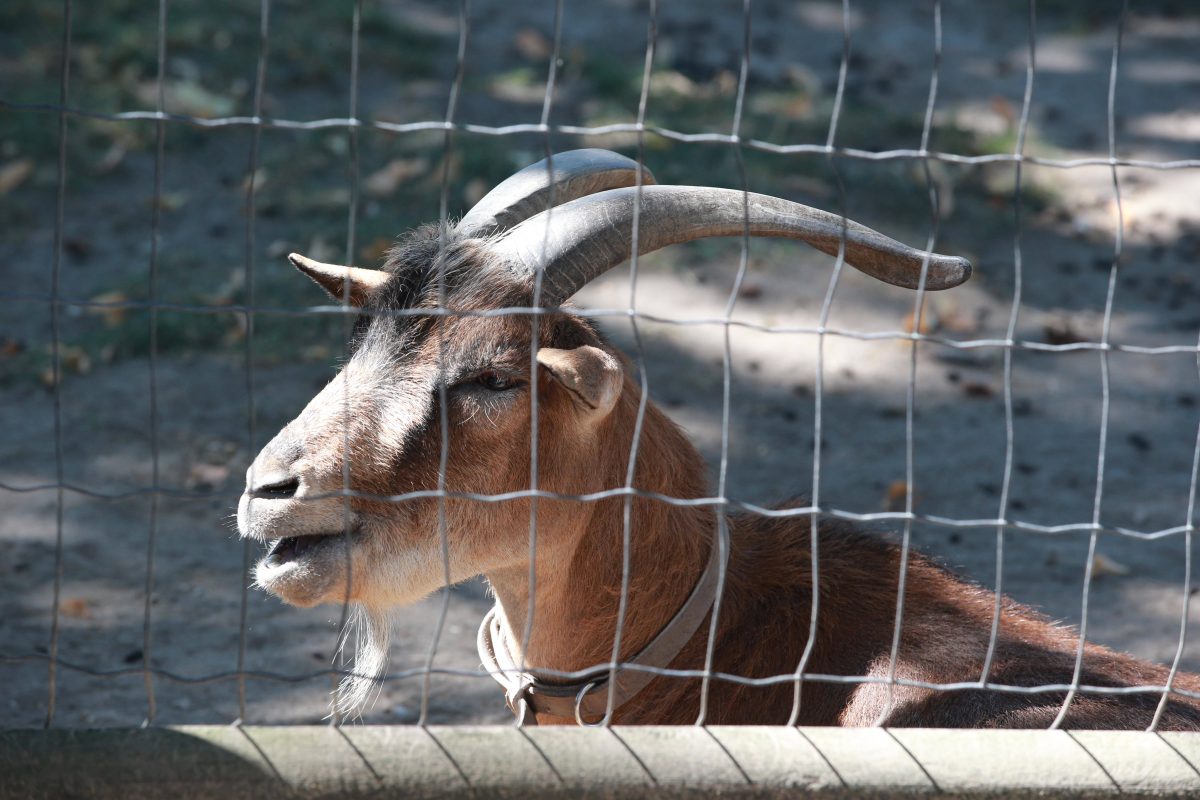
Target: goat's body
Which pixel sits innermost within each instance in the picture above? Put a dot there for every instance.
(445, 401)
(764, 623)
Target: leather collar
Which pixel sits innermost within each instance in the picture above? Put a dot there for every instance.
(586, 699)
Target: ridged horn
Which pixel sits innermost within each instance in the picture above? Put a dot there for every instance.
(576, 173)
(589, 236)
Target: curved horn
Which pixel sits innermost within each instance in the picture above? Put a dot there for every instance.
(576, 173)
(589, 236)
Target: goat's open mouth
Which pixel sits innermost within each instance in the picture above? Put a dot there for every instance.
(295, 548)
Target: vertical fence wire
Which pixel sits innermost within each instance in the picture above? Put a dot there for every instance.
(918, 313)
(56, 367)
(1010, 335)
(464, 30)
(721, 508)
(155, 241)
(345, 620)
(1185, 600)
(639, 361)
(248, 244)
(839, 263)
(535, 334)
(1105, 377)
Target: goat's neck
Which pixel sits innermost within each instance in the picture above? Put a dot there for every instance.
(578, 571)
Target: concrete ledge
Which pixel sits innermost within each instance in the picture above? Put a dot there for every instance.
(406, 761)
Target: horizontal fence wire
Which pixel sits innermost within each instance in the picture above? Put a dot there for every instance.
(721, 503)
(601, 130)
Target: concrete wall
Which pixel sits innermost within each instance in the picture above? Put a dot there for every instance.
(377, 761)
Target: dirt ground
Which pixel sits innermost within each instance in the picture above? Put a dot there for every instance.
(215, 407)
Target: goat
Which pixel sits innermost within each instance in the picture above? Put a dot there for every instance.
(435, 359)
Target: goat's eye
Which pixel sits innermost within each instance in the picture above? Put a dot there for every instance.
(496, 382)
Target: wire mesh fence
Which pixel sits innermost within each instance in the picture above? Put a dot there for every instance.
(1000, 428)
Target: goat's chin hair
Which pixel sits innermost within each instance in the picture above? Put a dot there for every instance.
(371, 629)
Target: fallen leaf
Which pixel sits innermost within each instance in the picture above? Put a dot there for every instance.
(957, 322)
(236, 332)
(321, 250)
(474, 191)
(259, 177)
(316, 352)
(375, 250)
(172, 201)
(978, 389)
(751, 291)
(897, 496)
(186, 97)
(929, 322)
(14, 173)
(112, 158)
(74, 359)
(78, 248)
(1061, 332)
(10, 347)
(1103, 565)
(1004, 108)
(113, 315)
(531, 44)
(227, 292)
(76, 608)
(384, 182)
(206, 476)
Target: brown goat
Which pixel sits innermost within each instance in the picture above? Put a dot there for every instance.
(418, 378)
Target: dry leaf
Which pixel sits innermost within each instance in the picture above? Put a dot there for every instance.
(386, 181)
(750, 291)
(531, 44)
(75, 359)
(929, 322)
(321, 250)
(1004, 108)
(14, 173)
(1103, 565)
(226, 293)
(1061, 332)
(172, 201)
(897, 496)
(112, 158)
(375, 250)
(76, 608)
(236, 332)
(956, 322)
(474, 191)
(10, 347)
(259, 177)
(207, 476)
(316, 352)
(188, 98)
(978, 389)
(113, 316)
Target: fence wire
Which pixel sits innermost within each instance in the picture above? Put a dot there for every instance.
(721, 503)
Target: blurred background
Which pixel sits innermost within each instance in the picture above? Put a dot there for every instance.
(220, 394)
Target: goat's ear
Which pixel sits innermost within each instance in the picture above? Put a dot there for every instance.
(334, 279)
(592, 377)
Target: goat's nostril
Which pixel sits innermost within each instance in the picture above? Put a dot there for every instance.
(277, 488)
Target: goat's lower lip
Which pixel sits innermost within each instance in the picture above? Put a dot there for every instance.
(292, 548)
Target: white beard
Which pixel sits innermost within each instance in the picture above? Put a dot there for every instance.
(371, 629)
